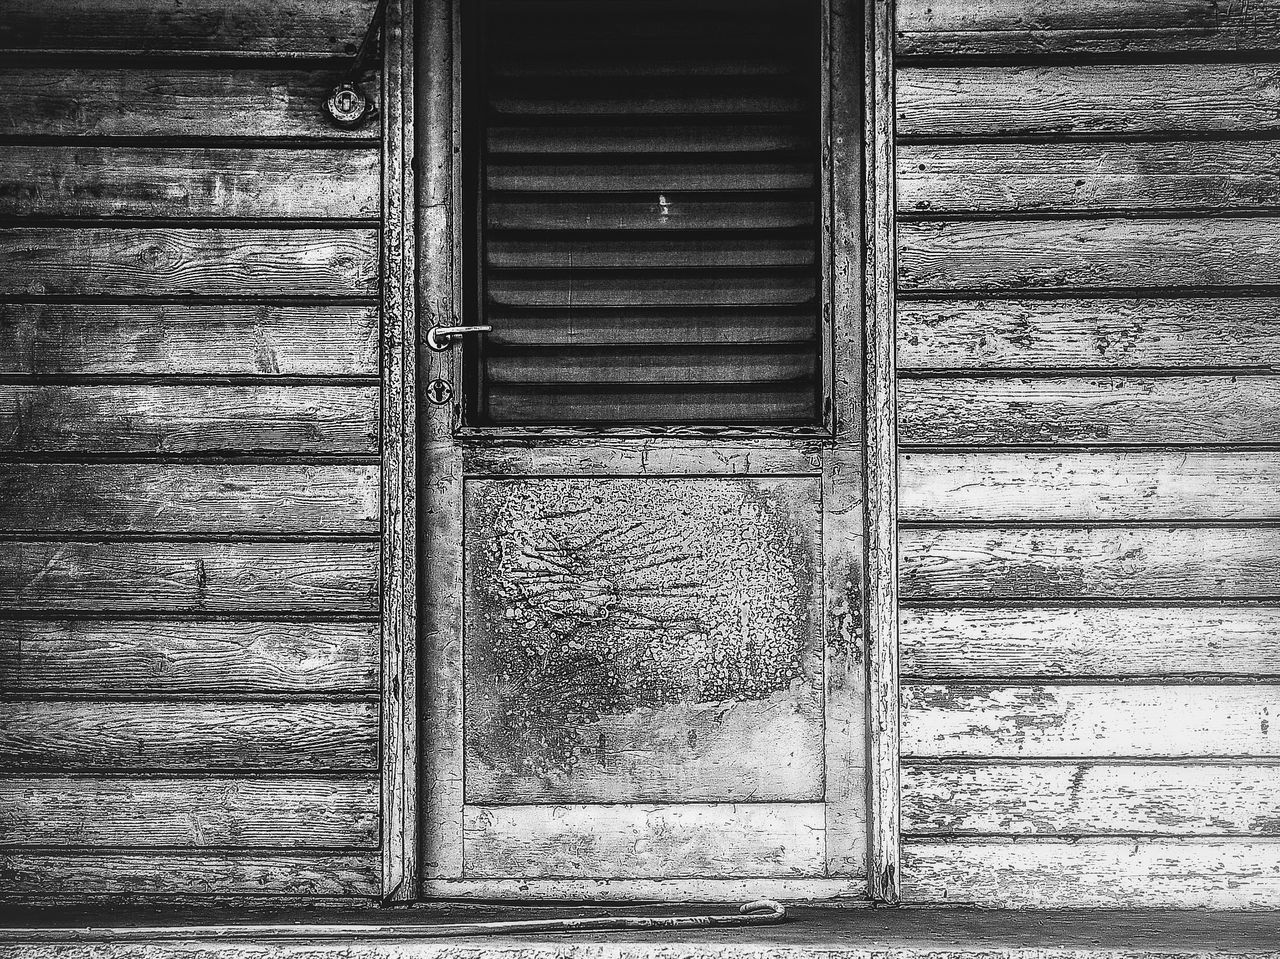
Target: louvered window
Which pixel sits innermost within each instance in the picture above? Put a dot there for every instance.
(645, 196)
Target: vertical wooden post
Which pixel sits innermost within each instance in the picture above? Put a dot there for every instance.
(399, 465)
(882, 454)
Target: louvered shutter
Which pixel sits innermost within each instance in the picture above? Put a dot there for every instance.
(646, 238)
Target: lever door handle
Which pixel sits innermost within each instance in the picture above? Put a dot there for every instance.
(440, 337)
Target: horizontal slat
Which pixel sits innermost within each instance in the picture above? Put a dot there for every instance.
(644, 842)
(194, 577)
(58, 736)
(644, 96)
(189, 498)
(674, 137)
(1091, 410)
(531, 251)
(979, 334)
(628, 326)
(145, 339)
(1110, 563)
(211, 657)
(1094, 99)
(746, 211)
(640, 366)
(747, 404)
(214, 811)
(287, 27)
(80, 181)
(188, 419)
(1040, 722)
(1048, 799)
(37, 875)
(1022, 874)
(954, 28)
(229, 101)
(1029, 642)
(1060, 254)
(129, 261)
(625, 175)
(1087, 177)
(705, 288)
(1070, 486)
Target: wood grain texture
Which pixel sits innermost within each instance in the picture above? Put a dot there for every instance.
(1021, 642)
(642, 640)
(1159, 873)
(1110, 332)
(955, 28)
(1088, 99)
(139, 261)
(285, 812)
(1025, 178)
(183, 182)
(1065, 799)
(1094, 410)
(1069, 254)
(139, 875)
(167, 338)
(189, 657)
(292, 27)
(49, 735)
(182, 498)
(192, 577)
(668, 456)
(229, 101)
(1083, 561)
(1148, 486)
(188, 419)
(1079, 721)
(644, 842)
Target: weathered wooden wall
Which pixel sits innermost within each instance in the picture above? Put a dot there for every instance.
(1089, 416)
(189, 477)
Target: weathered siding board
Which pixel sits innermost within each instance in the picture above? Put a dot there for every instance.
(1089, 332)
(289, 812)
(1103, 642)
(1065, 799)
(1155, 873)
(1078, 721)
(692, 840)
(188, 182)
(1090, 410)
(69, 735)
(169, 101)
(145, 339)
(1095, 99)
(141, 261)
(147, 657)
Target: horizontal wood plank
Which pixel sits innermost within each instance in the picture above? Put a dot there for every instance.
(285, 812)
(958, 28)
(228, 101)
(1100, 410)
(1079, 721)
(644, 841)
(57, 736)
(332, 420)
(88, 181)
(138, 261)
(32, 875)
(1020, 642)
(1064, 799)
(187, 339)
(1024, 178)
(1158, 873)
(189, 657)
(338, 577)
(182, 498)
(1098, 332)
(1093, 99)
(288, 28)
(1074, 486)
(1066, 254)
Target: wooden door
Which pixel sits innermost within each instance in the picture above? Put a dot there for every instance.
(643, 658)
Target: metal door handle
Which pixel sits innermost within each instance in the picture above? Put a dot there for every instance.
(438, 337)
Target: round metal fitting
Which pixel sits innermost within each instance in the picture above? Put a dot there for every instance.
(348, 106)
